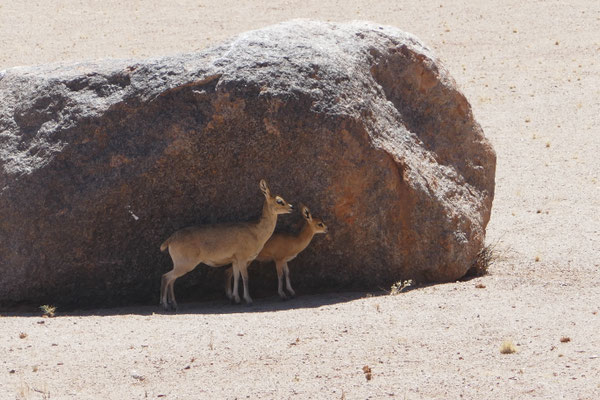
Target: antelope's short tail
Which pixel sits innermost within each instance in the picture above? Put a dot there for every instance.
(165, 245)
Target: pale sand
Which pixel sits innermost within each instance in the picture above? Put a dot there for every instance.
(531, 70)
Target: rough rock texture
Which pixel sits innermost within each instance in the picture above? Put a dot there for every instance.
(100, 162)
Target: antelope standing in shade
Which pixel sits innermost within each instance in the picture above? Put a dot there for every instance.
(221, 244)
(284, 247)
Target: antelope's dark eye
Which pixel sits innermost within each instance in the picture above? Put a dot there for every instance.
(320, 224)
(280, 202)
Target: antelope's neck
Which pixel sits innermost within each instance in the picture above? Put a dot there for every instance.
(306, 234)
(268, 220)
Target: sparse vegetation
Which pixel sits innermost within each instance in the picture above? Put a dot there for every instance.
(23, 391)
(48, 311)
(565, 339)
(508, 347)
(211, 342)
(22, 335)
(401, 286)
(486, 257)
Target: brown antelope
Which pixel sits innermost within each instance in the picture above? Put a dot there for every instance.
(283, 247)
(221, 244)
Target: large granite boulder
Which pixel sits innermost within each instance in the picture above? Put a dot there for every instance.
(100, 162)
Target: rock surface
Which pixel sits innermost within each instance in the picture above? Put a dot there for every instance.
(100, 162)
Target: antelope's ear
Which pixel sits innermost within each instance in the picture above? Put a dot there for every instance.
(264, 188)
(305, 212)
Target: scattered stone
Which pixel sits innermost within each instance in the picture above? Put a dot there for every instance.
(368, 372)
(138, 376)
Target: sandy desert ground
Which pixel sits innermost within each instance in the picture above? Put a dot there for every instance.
(531, 70)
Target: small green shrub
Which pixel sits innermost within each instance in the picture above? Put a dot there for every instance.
(47, 310)
(400, 286)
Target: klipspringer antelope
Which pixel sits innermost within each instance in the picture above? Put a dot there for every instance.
(283, 247)
(221, 244)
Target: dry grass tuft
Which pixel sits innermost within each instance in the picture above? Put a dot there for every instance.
(486, 257)
(22, 335)
(508, 347)
(23, 391)
(211, 342)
